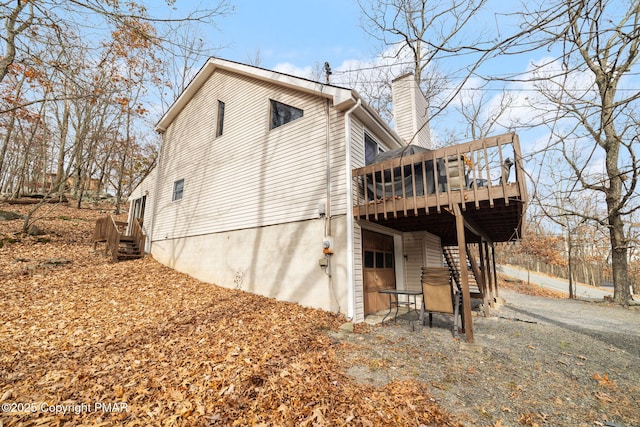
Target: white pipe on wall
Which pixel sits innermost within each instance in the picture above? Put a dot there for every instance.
(351, 302)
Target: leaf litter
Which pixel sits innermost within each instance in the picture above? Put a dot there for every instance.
(85, 341)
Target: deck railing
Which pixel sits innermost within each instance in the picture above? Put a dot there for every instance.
(489, 169)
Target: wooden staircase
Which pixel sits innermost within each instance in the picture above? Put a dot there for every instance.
(128, 249)
(118, 244)
(452, 257)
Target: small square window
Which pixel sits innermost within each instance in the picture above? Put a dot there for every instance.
(220, 119)
(178, 189)
(379, 260)
(281, 114)
(388, 260)
(368, 259)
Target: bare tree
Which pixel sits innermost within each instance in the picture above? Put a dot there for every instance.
(419, 36)
(585, 101)
(481, 114)
(17, 17)
(23, 20)
(75, 85)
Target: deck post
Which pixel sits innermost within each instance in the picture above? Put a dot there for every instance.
(486, 282)
(489, 273)
(464, 274)
(495, 271)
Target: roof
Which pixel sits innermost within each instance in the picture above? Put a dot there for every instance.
(342, 98)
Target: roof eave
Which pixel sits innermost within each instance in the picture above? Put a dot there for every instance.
(341, 97)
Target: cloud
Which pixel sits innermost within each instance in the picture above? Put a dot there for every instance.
(294, 70)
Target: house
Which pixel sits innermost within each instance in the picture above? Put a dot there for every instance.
(266, 182)
(89, 185)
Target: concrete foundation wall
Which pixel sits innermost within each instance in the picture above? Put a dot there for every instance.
(279, 261)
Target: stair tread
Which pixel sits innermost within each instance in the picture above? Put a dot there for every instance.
(452, 256)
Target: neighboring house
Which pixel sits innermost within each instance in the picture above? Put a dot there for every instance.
(260, 185)
(90, 185)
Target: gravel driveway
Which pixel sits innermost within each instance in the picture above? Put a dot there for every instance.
(536, 361)
(610, 324)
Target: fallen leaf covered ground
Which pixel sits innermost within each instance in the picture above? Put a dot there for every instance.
(523, 287)
(84, 341)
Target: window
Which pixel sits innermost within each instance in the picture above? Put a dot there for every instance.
(220, 119)
(281, 114)
(371, 149)
(378, 260)
(178, 189)
(368, 259)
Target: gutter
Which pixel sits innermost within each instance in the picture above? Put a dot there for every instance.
(351, 301)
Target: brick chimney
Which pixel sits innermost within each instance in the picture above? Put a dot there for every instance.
(410, 114)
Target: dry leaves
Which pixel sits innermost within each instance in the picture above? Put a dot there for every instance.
(530, 289)
(604, 380)
(163, 349)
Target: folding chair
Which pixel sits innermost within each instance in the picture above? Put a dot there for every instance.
(439, 295)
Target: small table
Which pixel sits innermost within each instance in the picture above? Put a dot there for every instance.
(408, 303)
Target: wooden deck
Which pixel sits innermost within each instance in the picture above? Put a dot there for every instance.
(409, 193)
(467, 193)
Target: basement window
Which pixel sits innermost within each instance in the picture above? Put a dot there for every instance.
(178, 190)
(281, 114)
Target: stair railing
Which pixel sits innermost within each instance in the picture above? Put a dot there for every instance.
(113, 239)
(137, 233)
(101, 231)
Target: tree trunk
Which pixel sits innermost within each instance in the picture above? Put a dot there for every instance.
(11, 33)
(619, 265)
(570, 265)
(7, 141)
(64, 128)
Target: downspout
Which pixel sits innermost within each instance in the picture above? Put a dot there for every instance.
(328, 166)
(351, 302)
(327, 217)
(149, 241)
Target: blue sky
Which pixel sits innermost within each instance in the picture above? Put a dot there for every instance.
(302, 33)
(297, 37)
(309, 32)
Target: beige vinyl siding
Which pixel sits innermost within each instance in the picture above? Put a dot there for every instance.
(356, 145)
(421, 249)
(433, 250)
(357, 274)
(413, 258)
(357, 159)
(338, 163)
(250, 176)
